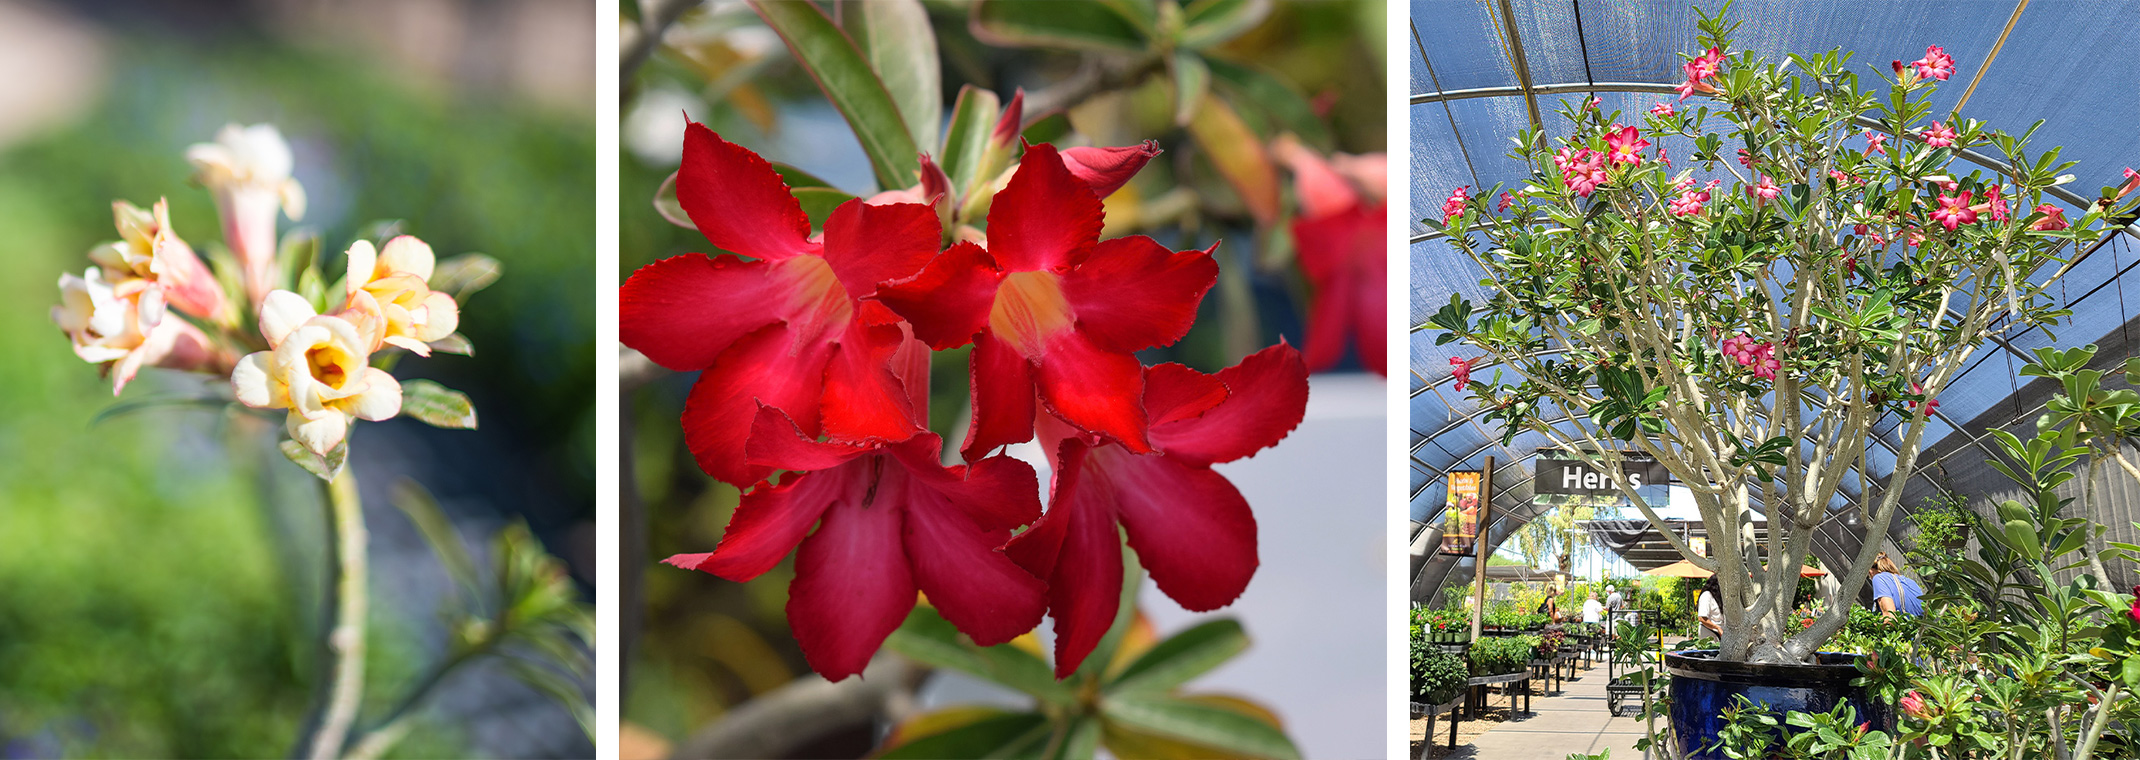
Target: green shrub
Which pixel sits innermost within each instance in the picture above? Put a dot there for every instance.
(1437, 676)
(1496, 655)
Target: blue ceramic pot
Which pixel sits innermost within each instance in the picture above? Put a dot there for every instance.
(1703, 686)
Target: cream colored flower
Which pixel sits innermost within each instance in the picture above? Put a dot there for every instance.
(394, 284)
(105, 325)
(248, 170)
(149, 256)
(318, 367)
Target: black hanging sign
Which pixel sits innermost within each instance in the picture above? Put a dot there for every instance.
(1557, 472)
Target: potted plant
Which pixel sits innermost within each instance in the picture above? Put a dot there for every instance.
(1748, 331)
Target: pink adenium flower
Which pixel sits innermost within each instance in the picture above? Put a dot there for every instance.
(248, 169)
(1583, 170)
(1688, 203)
(1625, 145)
(1913, 705)
(1662, 109)
(1698, 70)
(1875, 143)
(1454, 206)
(1940, 135)
(1915, 238)
(1954, 211)
(1765, 189)
(1994, 203)
(1931, 404)
(2132, 182)
(2054, 218)
(2136, 604)
(1461, 371)
(1663, 157)
(1506, 201)
(1935, 65)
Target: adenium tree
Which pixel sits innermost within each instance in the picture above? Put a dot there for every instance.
(1818, 263)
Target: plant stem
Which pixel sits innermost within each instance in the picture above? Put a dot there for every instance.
(397, 722)
(345, 639)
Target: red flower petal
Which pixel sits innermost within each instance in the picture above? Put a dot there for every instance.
(1106, 170)
(685, 310)
(776, 442)
(867, 245)
(852, 586)
(1342, 255)
(976, 587)
(763, 367)
(1097, 390)
(770, 522)
(1044, 218)
(738, 202)
(948, 301)
(998, 493)
(1189, 525)
(1173, 392)
(1076, 548)
(863, 400)
(1002, 392)
(1133, 293)
(1267, 394)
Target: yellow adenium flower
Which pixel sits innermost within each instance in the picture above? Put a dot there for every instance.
(394, 285)
(248, 170)
(318, 367)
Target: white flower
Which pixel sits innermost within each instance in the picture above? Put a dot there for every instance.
(318, 367)
(393, 285)
(248, 169)
(108, 325)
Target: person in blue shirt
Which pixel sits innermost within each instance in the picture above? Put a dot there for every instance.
(1894, 591)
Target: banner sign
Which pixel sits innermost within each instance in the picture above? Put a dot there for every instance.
(1460, 521)
(1556, 472)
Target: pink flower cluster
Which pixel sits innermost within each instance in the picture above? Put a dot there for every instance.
(1662, 109)
(1940, 135)
(1935, 65)
(1462, 371)
(1454, 206)
(1690, 198)
(1700, 69)
(1765, 189)
(1624, 146)
(1582, 169)
(1761, 355)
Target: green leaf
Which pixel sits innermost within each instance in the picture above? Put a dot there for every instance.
(1192, 81)
(1239, 157)
(437, 405)
(973, 117)
(1182, 657)
(1047, 23)
(299, 251)
(2023, 538)
(463, 275)
(454, 344)
(1084, 740)
(1277, 101)
(415, 502)
(324, 467)
(125, 408)
(997, 736)
(557, 687)
(1142, 14)
(796, 178)
(1200, 724)
(895, 36)
(818, 203)
(1212, 22)
(847, 80)
(929, 639)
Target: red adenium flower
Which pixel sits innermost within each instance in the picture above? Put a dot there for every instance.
(1341, 239)
(1191, 529)
(890, 520)
(1954, 211)
(791, 326)
(1935, 65)
(1049, 307)
(1505, 201)
(1931, 404)
(1106, 170)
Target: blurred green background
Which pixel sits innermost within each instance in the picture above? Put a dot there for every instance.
(159, 572)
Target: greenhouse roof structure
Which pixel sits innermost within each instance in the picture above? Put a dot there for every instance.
(1482, 70)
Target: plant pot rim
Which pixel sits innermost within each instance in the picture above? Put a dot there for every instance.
(1834, 669)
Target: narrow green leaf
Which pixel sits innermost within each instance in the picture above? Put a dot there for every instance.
(1143, 14)
(1084, 740)
(1192, 81)
(557, 687)
(1200, 724)
(463, 275)
(299, 251)
(998, 736)
(1279, 102)
(415, 502)
(818, 203)
(1211, 22)
(1047, 23)
(796, 178)
(895, 36)
(847, 80)
(973, 116)
(928, 638)
(1182, 657)
(437, 405)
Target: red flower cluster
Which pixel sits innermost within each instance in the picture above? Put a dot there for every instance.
(1698, 71)
(814, 354)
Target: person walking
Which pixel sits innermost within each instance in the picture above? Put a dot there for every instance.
(1893, 591)
(1709, 612)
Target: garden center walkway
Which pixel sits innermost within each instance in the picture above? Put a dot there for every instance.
(1571, 721)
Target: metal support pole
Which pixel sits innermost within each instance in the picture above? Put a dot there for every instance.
(1478, 548)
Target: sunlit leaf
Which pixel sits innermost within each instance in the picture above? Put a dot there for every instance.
(847, 80)
(1192, 81)
(324, 467)
(973, 117)
(1239, 157)
(1200, 724)
(454, 344)
(1181, 657)
(895, 36)
(1046, 23)
(437, 405)
(1211, 22)
(1279, 103)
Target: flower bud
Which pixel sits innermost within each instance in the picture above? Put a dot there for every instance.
(248, 170)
